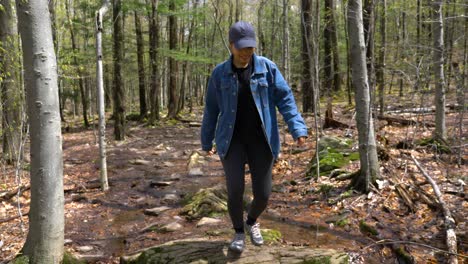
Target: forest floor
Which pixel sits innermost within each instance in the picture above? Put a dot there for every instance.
(149, 169)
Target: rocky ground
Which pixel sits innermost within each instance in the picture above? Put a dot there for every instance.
(156, 171)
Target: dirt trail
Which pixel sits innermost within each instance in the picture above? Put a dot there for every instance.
(149, 170)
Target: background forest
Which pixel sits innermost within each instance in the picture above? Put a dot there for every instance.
(157, 56)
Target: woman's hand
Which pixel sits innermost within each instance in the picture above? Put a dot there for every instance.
(301, 141)
(211, 152)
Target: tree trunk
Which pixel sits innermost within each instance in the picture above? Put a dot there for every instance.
(306, 32)
(10, 92)
(44, 243)
(335, 51)
(261, 34)
(141, 66)
(438, 57)
(84, 99)
(52, 4)
(418, 44)
(331, 57)
(238, 10)
(327, 56)
(100, 95)
(173, 65)
(153, 52)
(381, 64)
(285, 53)
(367, 148)
(119, 89)
(369, 24)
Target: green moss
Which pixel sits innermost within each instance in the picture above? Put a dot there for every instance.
(320, 260)
(354, 156)
(70, 259)
(271, 235)
(343, 222)
(325, 189)
(20, 259)
(207, 202)
(367, 229)
(347, 194)
(403, 256)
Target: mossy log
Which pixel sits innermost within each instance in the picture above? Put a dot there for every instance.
(206, 202)
(206, 250)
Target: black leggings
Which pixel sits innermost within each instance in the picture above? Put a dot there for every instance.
(258, 155)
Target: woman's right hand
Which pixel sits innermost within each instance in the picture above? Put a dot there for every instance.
(211, 152)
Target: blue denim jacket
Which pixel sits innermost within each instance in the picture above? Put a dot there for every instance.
(269, 90)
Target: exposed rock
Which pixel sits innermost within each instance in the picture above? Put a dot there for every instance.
(208, 221)
(195, 172)
(193, 164)
(84, 248)
(334, 153)
(168, 164)
(170, 198)
(206, 202)
(160, 183)
(171, 227)
(140, 162)
(156, 211)
(207, 250)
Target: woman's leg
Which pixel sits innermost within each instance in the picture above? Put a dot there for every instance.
(234, 169)
(260, 161)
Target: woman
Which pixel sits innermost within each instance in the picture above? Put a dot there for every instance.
(240, 114)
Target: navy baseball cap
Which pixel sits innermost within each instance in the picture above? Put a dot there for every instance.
(242, 34)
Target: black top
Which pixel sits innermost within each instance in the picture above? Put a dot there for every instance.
(248, 126)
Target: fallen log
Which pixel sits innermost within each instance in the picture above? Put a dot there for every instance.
(449, 222)
(401, 121)
(8, 195)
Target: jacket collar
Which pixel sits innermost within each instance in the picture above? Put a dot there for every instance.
(259, 65)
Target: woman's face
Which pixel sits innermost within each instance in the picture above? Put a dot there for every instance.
(242, 56)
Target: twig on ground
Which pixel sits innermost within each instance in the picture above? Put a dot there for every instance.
(389, 241)
(448, 219)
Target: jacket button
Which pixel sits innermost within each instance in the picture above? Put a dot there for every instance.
(234, 94)
(233, 110)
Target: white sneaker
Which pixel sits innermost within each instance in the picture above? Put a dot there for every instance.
(255, 234)
(238, 243)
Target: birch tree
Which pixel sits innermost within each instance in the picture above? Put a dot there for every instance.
(44, 243)
(369, 165)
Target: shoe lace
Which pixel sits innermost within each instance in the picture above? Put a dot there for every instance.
(255, 230)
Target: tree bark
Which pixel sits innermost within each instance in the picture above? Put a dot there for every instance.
(100, 95)
(285, 53)
(141, 66)
(119, 89)
(44, 243)
(10, 92)
(173, 65)
(84, 99)
(153, 52)
(382, 54)
(367, 148)
(369, 33)
(306, 32)
(438, 58)
(331, 57)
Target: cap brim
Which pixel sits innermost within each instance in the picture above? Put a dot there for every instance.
(245, 43)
